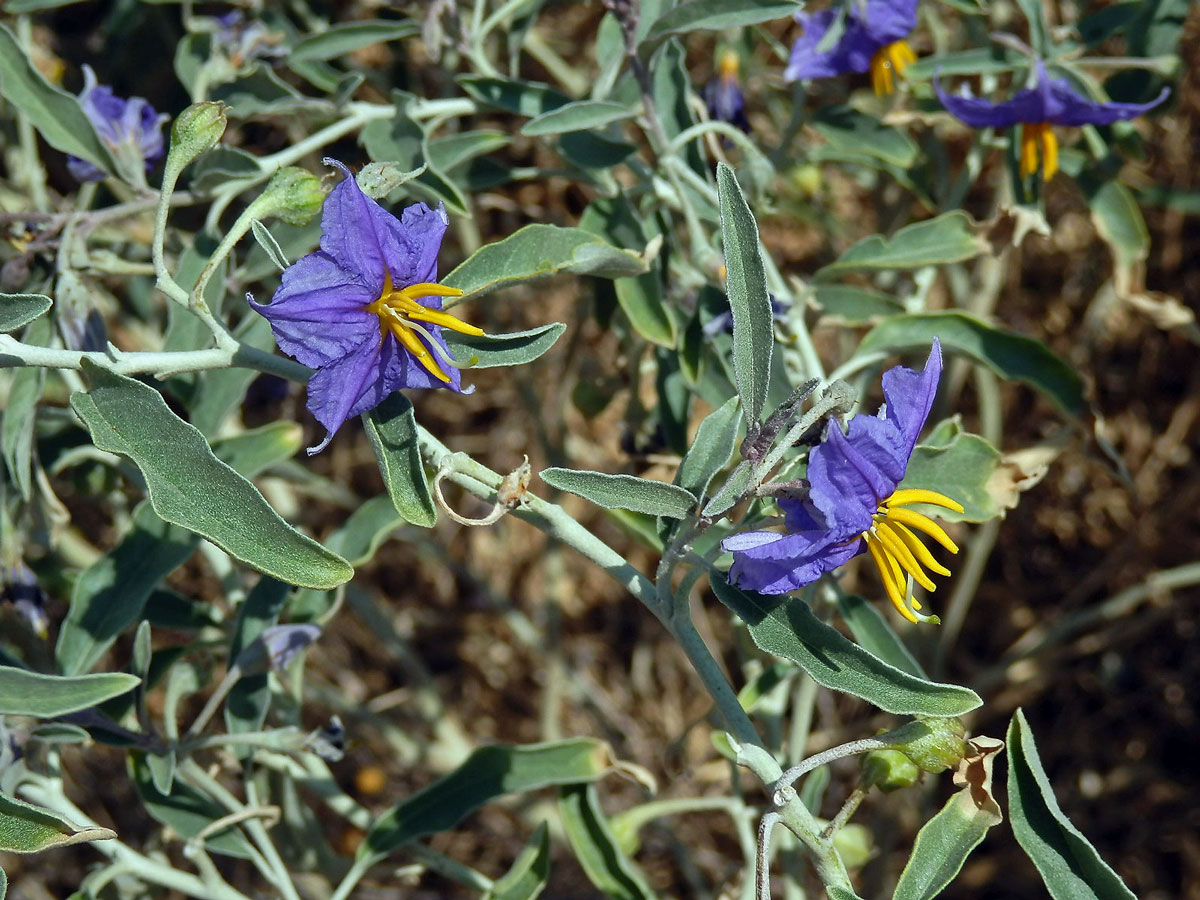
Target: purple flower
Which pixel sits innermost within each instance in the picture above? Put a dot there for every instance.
(873, 40)
(365, 309)
(723, 95)
(1051, 101)
(243, 41)
(853, 504)
(131, 128)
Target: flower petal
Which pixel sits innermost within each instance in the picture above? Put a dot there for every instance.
(1073, 109)
(909, 396)
(318, 313)
(792, 561)
(366, 239)
(884, 21)
(850, 474)
(1025, 106)
(346, 387)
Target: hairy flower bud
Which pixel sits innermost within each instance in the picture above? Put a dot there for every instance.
(888, 770)
(196, 130)
(941, 747)
(293, 194)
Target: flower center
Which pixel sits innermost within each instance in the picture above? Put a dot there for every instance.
(1037, 138)
(888, 59)
(897, 551)
(401, 315)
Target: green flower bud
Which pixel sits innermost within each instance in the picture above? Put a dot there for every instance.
(293, 194)
(942, 745)
(888, 770)
(196, 130)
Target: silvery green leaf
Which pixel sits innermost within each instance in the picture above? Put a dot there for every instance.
(512, 349)
(746, 284)
(18, 310)
(578, 115)
(656, 498)
(1069, 865)
(338, 40)
(269, 244)
(392, 429)
(712, 449)
(537, 251)
(787, 627)
(1008, 354)
(246, 705)
(525, 98)
(110, 594)
(486, 774)
(24, 693)
(595, 847)
(526, 878)
(56, 115)
(873, 633)
(25, 828)
(946, 239)
(190, 487)
(712, 15)
(731, 491)
(378, 179)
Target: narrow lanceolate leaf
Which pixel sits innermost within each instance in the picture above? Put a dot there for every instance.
(656, 498)
(873, 633)
(592, 840)
(110, 594)
(731, 491)
(579, 115)
(342, 39)
(946, 239)
(270, 246)
(190, 487)
(25, 828)
(538, 251)
(1069, 865)
(56, 115)
(959, 465)
(24, 693)
(488, 773)
(392, 429)
(1011, 356)
(787, 627)
(18, 310)
(712, 449)
(527, 877)
(186, 810)
(712, 15)
(945, 841)
(246, 705)
(746, 284)
(513, 349)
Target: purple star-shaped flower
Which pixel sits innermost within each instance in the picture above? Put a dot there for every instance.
(365, 309)
(853, 503)
(873, 40)
(130, 128)
(723, 95)
(1051, 101)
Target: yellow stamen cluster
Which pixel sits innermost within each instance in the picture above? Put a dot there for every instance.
(888, 59)
(729, 66)
(898, 552)
(1037, 139)
(401, 314)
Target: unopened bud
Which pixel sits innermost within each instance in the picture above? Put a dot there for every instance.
(942, 745)
(196, 130)
(275, 648)
(888, 770)
(293, 195)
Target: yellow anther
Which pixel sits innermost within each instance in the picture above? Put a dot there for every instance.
(889, 63)
(922, 523)
(908, 496)
(400, 313)
(919, 550)
(897, 549)
(1038, 141)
